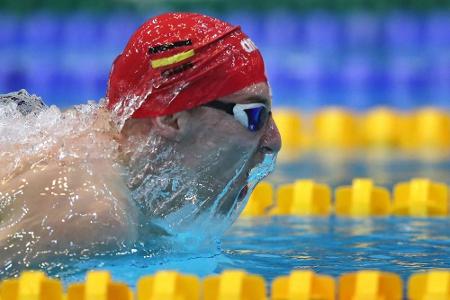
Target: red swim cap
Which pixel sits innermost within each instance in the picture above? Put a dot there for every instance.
(177, 61)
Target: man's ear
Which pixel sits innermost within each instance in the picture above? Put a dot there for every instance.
(173, 126)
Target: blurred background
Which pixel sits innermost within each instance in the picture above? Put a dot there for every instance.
(351, 53)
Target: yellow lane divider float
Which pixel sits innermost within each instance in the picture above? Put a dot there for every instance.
(433, 285)
(381, 127)
(303, 198)
(260, 201)
(293, 139)
(168, 285)
(426, 128)
(303, 285)
(362, 199)
(234, 285)
(289, 124)
(31, 286)
(370, 285)
(334, 127)
(421, 198)
(431, 127)
(99, 286)
(417, 198)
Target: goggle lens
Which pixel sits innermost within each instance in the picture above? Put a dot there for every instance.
(257, 117)
(252, 115)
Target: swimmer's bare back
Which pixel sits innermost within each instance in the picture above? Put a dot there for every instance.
(54, 207)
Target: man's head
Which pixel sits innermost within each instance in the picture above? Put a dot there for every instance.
(178, 61)
(193, 98)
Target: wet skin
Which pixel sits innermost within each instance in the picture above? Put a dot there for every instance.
(54, 201)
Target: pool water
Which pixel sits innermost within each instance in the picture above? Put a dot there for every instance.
(274, 246)
(334, 246)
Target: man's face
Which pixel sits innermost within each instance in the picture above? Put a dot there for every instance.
(221, 149)
(202, 173)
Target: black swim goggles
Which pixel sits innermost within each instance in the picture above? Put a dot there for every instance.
(253, 116)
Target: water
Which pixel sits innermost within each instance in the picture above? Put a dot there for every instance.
(127, 192)
(267, 246)
(274, 246)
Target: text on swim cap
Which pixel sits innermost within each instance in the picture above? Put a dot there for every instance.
(248, 45)
(168, 46)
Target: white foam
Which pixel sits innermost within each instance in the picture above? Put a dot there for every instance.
(82, 132)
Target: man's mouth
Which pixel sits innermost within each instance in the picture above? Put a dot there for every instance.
(257, 163)
(243, 192)
(258, 167)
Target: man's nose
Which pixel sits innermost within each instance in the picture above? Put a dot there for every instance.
(271, 140)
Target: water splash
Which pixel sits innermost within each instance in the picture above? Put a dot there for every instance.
(50, 157)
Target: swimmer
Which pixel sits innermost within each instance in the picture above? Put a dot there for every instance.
(183, 136)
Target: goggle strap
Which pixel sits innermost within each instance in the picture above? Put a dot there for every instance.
(226, 107)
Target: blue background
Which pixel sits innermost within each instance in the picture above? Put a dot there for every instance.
(356, 59)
